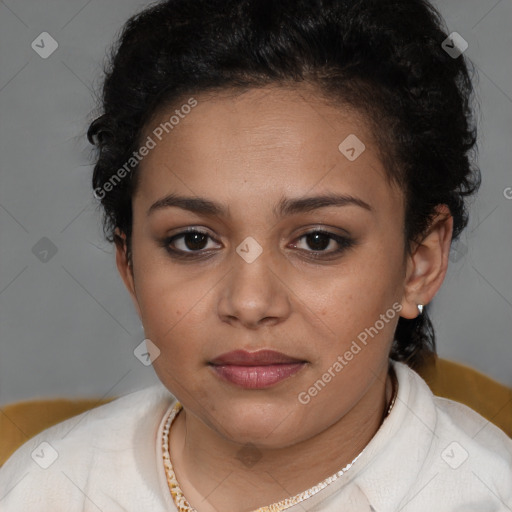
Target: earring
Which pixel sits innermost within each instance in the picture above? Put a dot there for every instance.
(420, 308)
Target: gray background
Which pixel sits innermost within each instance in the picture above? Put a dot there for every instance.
(67, 325)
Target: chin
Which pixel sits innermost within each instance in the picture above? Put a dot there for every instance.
(263, 424)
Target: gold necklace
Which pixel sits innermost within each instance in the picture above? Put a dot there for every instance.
(181, 502)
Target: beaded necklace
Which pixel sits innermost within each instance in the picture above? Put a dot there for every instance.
(181, 502)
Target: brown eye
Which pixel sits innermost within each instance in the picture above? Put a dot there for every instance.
(190, 241)
(319, 241)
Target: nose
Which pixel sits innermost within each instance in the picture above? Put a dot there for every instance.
(254, 294)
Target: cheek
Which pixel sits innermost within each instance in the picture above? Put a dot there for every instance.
(171, 308)
(359, 301)
(164, 296)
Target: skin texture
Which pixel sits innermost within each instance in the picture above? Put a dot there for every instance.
(248, 151)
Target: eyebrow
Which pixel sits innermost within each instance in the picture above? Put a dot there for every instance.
(286, 206)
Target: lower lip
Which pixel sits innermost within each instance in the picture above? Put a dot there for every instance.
(257, 377)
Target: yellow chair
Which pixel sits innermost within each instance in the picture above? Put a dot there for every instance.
(468, 386)
(22, 420)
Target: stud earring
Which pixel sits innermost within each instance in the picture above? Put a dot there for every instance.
(420, 308)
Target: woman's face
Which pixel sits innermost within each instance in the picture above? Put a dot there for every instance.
(253, 278)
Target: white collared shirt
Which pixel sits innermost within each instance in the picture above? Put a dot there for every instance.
(430, 455)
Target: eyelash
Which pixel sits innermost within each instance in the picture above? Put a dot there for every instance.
(343, 242)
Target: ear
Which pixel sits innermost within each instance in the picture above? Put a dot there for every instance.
(428, 263)
(125, 267)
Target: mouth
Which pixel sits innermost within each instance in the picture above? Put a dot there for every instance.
(255, 370)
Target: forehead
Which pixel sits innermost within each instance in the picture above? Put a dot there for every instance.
(262, 143)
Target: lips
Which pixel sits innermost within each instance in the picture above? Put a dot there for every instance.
(260, 358)
(255, 370)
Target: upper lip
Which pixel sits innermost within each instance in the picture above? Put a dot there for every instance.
(259, 358)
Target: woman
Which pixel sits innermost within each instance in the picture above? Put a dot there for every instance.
(282, 181)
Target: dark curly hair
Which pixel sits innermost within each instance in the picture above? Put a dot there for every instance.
(383, 58)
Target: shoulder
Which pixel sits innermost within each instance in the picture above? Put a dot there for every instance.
(470, 459)
(63, 460)
(482, 438)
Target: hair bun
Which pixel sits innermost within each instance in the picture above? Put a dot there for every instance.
(98, 130)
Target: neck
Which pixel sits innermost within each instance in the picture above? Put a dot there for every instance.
(216, 474)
